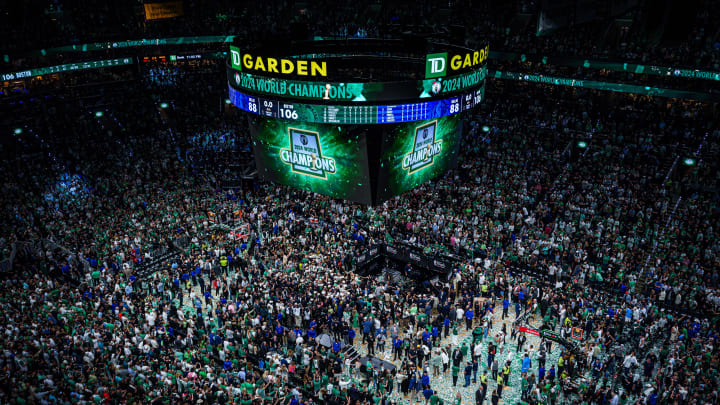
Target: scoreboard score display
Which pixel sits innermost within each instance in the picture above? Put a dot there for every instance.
(355, 114)
(316, 126)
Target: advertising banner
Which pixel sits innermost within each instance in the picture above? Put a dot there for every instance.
(161, 11)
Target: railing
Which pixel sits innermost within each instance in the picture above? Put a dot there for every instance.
(35, 248)
(6, 265)
(539, 273)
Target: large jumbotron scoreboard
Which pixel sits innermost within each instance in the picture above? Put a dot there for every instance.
(362, 120)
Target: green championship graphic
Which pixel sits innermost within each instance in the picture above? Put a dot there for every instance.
(425, 149)
(325, 159)
(305, 155)
(417, 152)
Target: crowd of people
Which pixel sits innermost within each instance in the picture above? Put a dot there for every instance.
(612, 240)
(634, 43)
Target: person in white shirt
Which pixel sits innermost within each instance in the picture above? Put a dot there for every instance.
(445, 360)
(630, 361)
(477, 350)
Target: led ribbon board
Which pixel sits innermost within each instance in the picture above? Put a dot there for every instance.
(707, 96)
(356, 92)
(355, 114)
(70, 67)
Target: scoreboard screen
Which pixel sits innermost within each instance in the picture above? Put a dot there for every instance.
(325, 159)
(359, 120)
(414, 153)
(336, 160)
(356, 114)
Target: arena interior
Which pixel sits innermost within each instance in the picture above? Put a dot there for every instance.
(554, 241)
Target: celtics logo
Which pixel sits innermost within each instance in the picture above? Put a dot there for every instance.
(436, 87)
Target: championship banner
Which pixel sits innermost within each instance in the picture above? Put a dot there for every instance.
(577, 333)
(240, 233)
(160, 11)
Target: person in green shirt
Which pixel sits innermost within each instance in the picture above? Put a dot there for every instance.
(464, 349)
(553, 393)
(455, 374)
(477, 334)
(317, 383)
(422, 319)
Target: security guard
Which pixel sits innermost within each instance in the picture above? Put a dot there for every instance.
(506, 374)
(484, 382)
